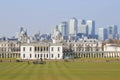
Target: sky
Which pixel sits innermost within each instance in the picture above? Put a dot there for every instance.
(43, 15)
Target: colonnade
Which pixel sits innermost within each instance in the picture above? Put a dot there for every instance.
(92, 54)
(9, 55)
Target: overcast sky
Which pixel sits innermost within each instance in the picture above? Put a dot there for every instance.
(43, 15)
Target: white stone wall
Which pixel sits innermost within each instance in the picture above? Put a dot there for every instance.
(34, 55)
(55, 54)
(113, 50)
(110, 47)
(51, 54)
(26, 54)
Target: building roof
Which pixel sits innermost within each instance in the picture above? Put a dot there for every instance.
(35, 44)
(113, 45)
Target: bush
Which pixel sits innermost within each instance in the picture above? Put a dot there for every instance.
(19, 61)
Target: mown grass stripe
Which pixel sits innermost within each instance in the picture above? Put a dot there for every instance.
(16, 72)
(8, 68)
(60, 71)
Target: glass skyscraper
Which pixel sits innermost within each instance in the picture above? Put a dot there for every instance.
(91, 28)
(63, 28)
(82, 27)
(73, 26)
(102, 34)
(112, 32)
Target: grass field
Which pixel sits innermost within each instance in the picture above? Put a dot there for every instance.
(60, 71)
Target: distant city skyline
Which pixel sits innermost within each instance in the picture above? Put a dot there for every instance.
(44, 15)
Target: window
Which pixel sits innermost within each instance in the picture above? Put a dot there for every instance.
(38, 55)
(47, 48)
(58, 55)
(30, 49)
(58, 48)
(30, 55)
(23, 55)
(35, 55)
(23, 48)
(52, 49)
(44, 48)
(38, 49)
(52, 55)
(41, 55)
(35, 49)
(47, 55)
(41, 48)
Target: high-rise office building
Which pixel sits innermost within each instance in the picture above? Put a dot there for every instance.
(73, 26)
(102, 34)
(91, 28)
(112, 32)
(55, 29)
(63, 28)
(82, 27)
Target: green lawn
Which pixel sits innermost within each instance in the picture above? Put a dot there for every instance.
(60, 71)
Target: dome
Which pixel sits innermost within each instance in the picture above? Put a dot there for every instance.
(22, 32)
(58, 35)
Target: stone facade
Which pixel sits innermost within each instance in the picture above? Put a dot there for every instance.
(9, 49)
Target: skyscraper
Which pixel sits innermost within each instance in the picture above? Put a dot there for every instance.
(73, 26)
(54, 30)
(112, 32)
(91, 28)
(63, 28)
(102, 34)
(82, 27)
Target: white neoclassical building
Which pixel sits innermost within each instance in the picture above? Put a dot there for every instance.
(86, 44)
(113, 50)
(35, 51)
(44, 50)
(112, 47)
(9, 49)
(58, 48)
(56, 51)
